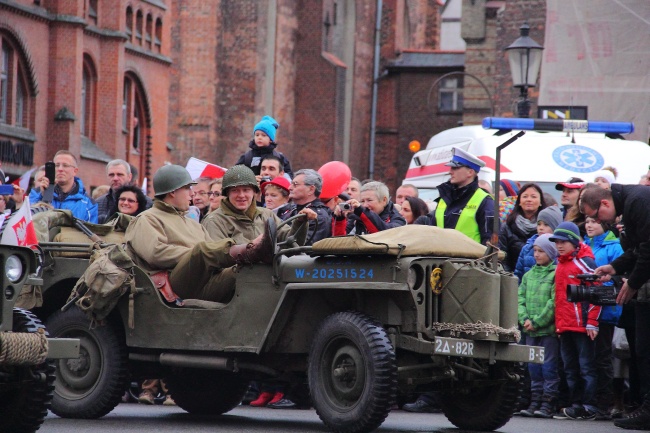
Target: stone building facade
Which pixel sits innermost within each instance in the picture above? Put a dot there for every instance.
(89, 76)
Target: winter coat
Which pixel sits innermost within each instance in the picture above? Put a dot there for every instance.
(457, 199)
(319, 229)
(253, 158)
(107, 206)
(537, 300)
(368, 222)
(633, 202)
(228, 222)
(158, 238)
(512, 240)
(526, 260)
(606, 249)
(574, 316)
(81, 206)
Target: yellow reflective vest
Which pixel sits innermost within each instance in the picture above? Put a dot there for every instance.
(467, 220)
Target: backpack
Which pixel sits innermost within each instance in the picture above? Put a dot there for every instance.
(107, 278)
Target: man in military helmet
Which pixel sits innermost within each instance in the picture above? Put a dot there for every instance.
(164, 239)
(239, 218)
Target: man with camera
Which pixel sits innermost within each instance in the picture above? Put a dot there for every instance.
(374, 213)
(634, 202)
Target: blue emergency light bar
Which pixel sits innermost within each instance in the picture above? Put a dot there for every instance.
(558, 125)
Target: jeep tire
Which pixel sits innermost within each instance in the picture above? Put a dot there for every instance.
(25, 391)
(352, 373)
(206, 392)
(92, 385)
(484, 408)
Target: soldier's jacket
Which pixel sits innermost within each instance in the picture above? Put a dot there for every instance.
(158, 238)
(243, 227)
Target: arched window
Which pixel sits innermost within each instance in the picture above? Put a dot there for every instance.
(138, 27)
(88, 97)
(136, 124)
(158, 36)
(129, 23)
(149, 32)
(16, 96)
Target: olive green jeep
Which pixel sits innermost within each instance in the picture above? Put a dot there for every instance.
(357, 320)
(26, 352)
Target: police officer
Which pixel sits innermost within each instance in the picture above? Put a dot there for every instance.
(462, 205)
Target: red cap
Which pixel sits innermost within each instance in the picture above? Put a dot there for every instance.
(573, 183)
(279, 181)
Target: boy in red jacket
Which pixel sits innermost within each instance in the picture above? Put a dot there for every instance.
(576, 322)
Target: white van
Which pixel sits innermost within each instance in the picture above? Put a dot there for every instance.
(545, 158)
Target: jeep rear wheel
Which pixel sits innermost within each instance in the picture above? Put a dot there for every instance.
(486, 406)
(206, 392)
(25, 391)
(352, 373)
(93, 384)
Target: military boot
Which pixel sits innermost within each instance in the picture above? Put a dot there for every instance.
(261, 250)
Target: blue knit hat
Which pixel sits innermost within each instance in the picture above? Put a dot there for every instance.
(547, 246)
(273, 121)
(266, 127)
(567, 231)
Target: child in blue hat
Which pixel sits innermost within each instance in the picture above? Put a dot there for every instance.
(262, 145)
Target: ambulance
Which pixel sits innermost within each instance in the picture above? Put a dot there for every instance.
(549, 151)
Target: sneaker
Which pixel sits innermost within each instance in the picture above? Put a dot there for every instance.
(169, 401)
(421, 406)
(546, 411)
(530, 411)
(146, 397)
(602, 415)
(262, 400)
(616, 413)
(637, 420)
(284, 403)
(276, 398)
(578, 413)
(251, 395)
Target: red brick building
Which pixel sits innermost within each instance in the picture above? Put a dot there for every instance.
(89, 76)
(309, 64)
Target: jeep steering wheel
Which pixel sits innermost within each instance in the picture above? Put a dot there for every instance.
(290, 241)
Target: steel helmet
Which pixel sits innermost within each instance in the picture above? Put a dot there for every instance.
(169, 178)
(239, 175)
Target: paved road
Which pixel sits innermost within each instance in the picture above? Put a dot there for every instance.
(127, 418)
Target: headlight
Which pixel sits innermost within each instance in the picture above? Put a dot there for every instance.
(13, 268)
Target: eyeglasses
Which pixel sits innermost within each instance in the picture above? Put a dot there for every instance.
(64, 165)
(297, 184)
(213, 194)
(127, 200)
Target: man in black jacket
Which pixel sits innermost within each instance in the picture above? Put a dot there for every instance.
(462, 204)
(632, 201)
(304, 192)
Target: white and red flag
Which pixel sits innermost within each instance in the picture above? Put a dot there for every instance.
(23, 181)
(198, 168)
(19, 230)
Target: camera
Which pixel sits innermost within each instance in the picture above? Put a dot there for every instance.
(345, 206)
(588, 292)
(265, 179)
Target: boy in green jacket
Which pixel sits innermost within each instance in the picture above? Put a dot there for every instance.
(537, 317)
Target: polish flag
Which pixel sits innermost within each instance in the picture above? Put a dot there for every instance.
(198, 168)
(19, 230)
(23, 181)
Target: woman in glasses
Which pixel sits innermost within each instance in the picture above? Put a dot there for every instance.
(214, 195)
(130, 200)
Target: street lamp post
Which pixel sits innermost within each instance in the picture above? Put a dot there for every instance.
(525, 56)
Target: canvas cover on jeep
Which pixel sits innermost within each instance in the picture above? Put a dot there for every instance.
(410, 240)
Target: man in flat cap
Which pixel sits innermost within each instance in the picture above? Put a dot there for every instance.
(462, 204)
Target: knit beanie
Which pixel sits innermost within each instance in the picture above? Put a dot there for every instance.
(273, 121)
(510, 187)
(551, 215)
(605, 174)
(567, 231)
(266, 127)
(547, 246)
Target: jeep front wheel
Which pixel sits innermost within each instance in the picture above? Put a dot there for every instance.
(206, 392)
(25, 391)
(352, 373)
(483, 404)
(93, 384)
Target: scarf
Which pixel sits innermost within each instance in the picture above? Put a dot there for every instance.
(251, 212)
(525, 225)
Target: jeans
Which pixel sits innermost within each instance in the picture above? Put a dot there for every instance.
(579, 358)
(604, 366)
(544, 378)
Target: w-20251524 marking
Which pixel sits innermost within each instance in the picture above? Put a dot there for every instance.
(335, 273)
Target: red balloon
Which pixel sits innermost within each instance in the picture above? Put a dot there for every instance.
(336, 177)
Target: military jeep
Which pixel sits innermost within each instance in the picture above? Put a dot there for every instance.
(26, 352)
(355, 319)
